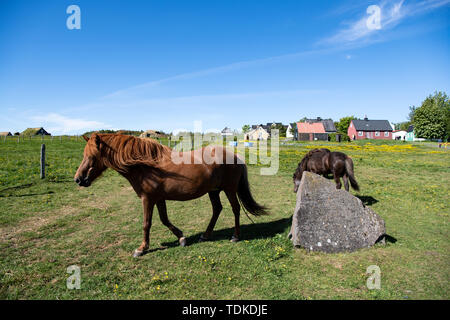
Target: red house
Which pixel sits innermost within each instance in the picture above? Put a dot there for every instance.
(369, 129)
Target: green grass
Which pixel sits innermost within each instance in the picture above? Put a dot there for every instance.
(48, 225)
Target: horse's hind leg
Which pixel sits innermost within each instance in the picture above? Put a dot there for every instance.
(214, 196)
(345, 178)
(337, 179)
(162, 209)
(237, 212)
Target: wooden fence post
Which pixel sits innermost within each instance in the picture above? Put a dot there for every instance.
(42, 161)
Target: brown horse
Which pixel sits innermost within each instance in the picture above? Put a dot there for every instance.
(324, 162)
(155, 177)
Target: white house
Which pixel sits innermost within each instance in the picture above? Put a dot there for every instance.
(399, 135)
(257, 133)
(291, 130)
(226, 132)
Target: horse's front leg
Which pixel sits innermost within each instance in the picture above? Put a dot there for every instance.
(148, 213)
(162, 209)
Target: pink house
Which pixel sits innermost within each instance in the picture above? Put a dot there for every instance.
(369, 129)
(311, 131)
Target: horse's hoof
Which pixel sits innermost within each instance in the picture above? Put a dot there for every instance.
(182, 241)
(234, 239)
(137, 253)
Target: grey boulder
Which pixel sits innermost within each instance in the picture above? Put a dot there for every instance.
(330, 220)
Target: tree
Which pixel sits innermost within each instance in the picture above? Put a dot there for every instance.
(402, 125)
(245, 128)
(292, 130)
(431, 119)
(281, 129)
(344, 123)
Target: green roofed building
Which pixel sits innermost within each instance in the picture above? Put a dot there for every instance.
(35, 132)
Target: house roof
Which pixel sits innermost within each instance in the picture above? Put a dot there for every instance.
(306, 127)
(328, 124)
(372, 125)
(256, 129)
(150, 133)
(269, 124)
(265, 127)
(32, 131)
(6, 133)
(227, 130)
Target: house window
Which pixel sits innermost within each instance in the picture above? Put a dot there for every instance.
(360, 133)
(386, 133)
(377, 133)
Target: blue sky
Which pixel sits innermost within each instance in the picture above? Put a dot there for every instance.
(165, 64)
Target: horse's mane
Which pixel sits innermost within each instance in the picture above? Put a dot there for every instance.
(123, 151)
(301, 167)
(303, 164)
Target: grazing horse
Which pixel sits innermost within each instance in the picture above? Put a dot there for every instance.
(156, 176)
(324, 162)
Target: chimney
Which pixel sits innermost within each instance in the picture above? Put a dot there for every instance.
(365, 118)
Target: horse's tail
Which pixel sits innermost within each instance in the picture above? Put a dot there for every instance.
(246, 198)
(350, 173)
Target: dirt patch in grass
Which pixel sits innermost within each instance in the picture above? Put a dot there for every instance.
(38, 220)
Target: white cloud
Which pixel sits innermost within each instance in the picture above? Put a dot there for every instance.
(392, 13)
(58, 124)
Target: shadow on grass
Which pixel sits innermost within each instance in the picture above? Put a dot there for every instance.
(22, 186)
(25, 195)
(367, 200)
(248, 232)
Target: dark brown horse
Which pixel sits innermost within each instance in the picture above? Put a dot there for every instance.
(156, 176)
(324, 162)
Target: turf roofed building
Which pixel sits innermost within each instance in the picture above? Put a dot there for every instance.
(370, 129)
(35, 132)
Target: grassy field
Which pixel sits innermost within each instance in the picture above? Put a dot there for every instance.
(48, 225)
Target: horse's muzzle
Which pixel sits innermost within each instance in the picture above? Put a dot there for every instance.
(82, 182)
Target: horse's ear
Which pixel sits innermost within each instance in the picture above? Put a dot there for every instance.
(85, 138)
(97, 140)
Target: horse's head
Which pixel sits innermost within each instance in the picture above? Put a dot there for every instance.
(297, 177)
(92, 165)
